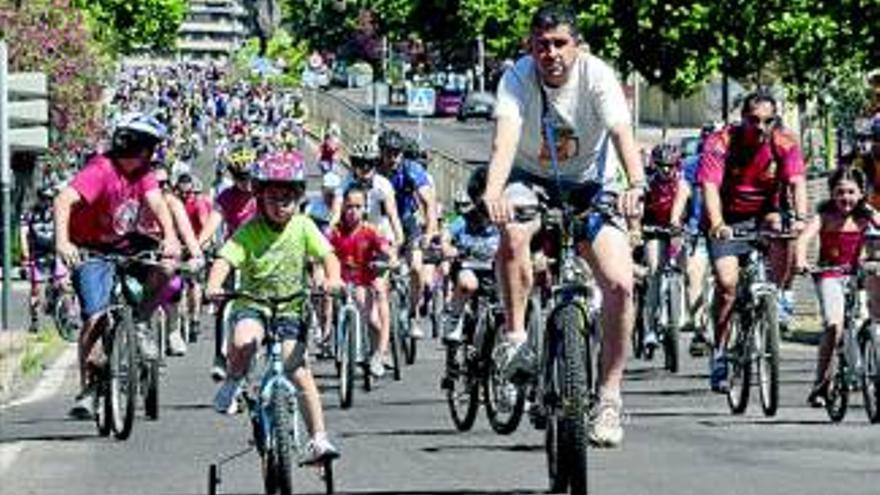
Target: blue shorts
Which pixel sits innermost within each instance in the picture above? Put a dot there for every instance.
(580, 195)
(289, 328)
(93, 283)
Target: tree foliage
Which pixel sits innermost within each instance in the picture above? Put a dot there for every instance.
(52, 36)
(126, 26)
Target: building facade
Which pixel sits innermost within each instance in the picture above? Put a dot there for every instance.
(212, 31)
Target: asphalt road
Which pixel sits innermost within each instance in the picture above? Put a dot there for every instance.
(680, 439)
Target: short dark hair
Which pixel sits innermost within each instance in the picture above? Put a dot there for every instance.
(760, 95)
(354, 189)
(552, 15)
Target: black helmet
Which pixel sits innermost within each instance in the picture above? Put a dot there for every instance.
(391, 140)
(477, 183)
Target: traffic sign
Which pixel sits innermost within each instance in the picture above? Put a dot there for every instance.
(420, 101)
(28, 111)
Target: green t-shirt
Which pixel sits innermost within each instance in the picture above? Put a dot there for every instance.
(272, 262)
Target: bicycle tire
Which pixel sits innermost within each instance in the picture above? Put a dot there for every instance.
(158, 324)
(409, 343)
(366, 350)
(283, 447)
(462, 388)
(394, 337)
(123, 375)
(837, 395)
(871, 374)
(213, 479)
(768, 358)
(671, 354)
(65, 315)
(574, 396)
(739, 365)
(329, 482)
(437, 309)
(504, 420)
(346, 363)
(151, 392)
(637, 339)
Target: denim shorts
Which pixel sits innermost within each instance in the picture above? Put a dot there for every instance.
(581, 196)
(93, 283)
(289, 328)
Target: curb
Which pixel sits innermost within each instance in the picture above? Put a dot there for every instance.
(23, 358)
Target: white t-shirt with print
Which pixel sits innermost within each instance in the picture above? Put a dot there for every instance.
(583, 109)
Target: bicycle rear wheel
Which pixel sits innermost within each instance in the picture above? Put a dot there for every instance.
(767, 336)
(739, 364)
(571, 323)
(123, 375)
(437, 310)
(150, 382)
(871, 374)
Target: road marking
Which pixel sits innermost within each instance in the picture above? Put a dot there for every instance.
(51, 380)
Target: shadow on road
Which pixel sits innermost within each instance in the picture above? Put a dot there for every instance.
(684, 392)
(488, 448)
(54, 437)
(399, 433)
(414, 402)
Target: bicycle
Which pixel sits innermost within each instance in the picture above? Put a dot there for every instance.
(351, 346)
(402, 342)
(753, 338)
(126, 372)
(662, 302)
(62, 306)
(563, 390)
(472, 364)
(277, 424)
(435, 293)
(854, 362)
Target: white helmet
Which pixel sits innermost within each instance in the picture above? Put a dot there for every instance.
(142, 123)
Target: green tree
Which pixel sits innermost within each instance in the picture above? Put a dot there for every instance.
(126, 26)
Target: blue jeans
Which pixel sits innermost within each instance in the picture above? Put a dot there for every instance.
(93, 283)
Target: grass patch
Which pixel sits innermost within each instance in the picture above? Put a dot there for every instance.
(39, 350)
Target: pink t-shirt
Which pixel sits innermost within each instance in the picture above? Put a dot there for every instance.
(198, 207)
(749, 182)
(237, 207)
(659, 198)
(110, 202)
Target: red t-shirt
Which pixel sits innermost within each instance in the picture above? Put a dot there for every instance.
(749, 180)
(237, 207)
(355, 250)
(328, 150)
(659, 198)
(197, 207)
(110, 202)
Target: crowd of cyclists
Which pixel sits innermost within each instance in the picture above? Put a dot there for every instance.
(562, 136)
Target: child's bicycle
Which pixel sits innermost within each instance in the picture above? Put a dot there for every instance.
(279, 431)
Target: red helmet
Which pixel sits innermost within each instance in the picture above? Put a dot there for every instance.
(280, 166)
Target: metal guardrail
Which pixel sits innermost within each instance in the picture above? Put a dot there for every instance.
(450, 173)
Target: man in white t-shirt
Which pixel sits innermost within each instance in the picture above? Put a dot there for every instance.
(579, 96)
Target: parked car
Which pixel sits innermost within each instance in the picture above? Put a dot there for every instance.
(448, 102)
(477, 104)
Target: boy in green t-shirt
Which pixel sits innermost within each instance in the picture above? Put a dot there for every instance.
(270, 253)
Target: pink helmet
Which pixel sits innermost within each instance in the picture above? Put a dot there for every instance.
(280, 166)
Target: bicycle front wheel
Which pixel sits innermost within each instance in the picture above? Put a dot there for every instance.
(279, 468)
(347, 360)
(767, 336)
(395, 334)
(837, 396)
(739, 365)
(66, 316)
(674, 292)
(123, 375)
(570, 324)
(871, 375)
(505, 401)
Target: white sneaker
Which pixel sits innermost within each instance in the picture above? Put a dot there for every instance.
(319, 449)
(218, 370)
(387, 361)
(225, 402)
(146, 342)
(84, 407)
(605, 428)
(176, 345)
(377, 369)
